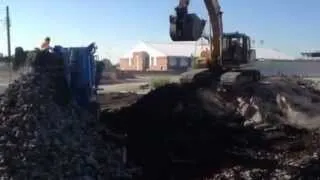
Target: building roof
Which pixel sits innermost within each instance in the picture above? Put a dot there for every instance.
(179, 48)
(188, 48)
(182, 48)
(266, 53)
(311, 51)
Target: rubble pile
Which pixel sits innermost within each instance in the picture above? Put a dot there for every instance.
(45, 135)
(292, 101)
(259, 131)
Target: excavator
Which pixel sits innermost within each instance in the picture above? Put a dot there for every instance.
(230, 53)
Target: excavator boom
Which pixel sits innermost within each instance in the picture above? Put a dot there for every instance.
(215, 17)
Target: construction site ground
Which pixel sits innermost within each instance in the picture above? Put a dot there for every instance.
(263, 130)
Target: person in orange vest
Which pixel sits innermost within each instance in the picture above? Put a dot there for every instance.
(46, 44)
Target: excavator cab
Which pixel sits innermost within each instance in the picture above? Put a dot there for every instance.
(185, 26)
(236, 49)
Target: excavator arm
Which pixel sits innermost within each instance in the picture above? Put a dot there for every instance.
(189, 27)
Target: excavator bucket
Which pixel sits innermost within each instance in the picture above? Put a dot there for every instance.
(186, 28)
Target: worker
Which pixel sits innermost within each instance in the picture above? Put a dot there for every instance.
(46, 44)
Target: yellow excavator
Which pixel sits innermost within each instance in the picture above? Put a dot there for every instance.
(230, 53)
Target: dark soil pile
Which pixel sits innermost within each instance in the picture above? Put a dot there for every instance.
(45, 135)
(189, 133)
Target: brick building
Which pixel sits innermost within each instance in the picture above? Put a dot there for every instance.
(160, 56)
(311, 55)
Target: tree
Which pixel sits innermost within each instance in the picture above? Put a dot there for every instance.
(19, 59)
(107, 64)
(100, 67)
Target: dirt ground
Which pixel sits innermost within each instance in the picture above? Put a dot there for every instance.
(5, 76)
(117, 100)
(134, 85)
(123, 87)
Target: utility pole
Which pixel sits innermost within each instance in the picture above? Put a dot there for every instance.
(8, 25)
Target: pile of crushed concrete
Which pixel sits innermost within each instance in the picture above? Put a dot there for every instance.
(46, 135)
(267, 130)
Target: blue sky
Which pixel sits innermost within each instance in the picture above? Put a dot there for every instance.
(117, 25)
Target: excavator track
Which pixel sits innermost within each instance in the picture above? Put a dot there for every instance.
(191, 76)
(239, 77)
(227, 79)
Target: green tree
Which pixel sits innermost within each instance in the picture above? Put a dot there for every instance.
(108, 65)
(19, 59)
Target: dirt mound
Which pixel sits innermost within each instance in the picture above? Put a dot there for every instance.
(188, 133)
(45, 135)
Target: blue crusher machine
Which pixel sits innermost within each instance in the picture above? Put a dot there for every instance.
(80, 73)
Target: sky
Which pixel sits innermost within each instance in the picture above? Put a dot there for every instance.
(290, 26)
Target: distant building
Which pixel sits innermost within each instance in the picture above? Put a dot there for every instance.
(311, 55)
(146, 56)
(271, 54)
